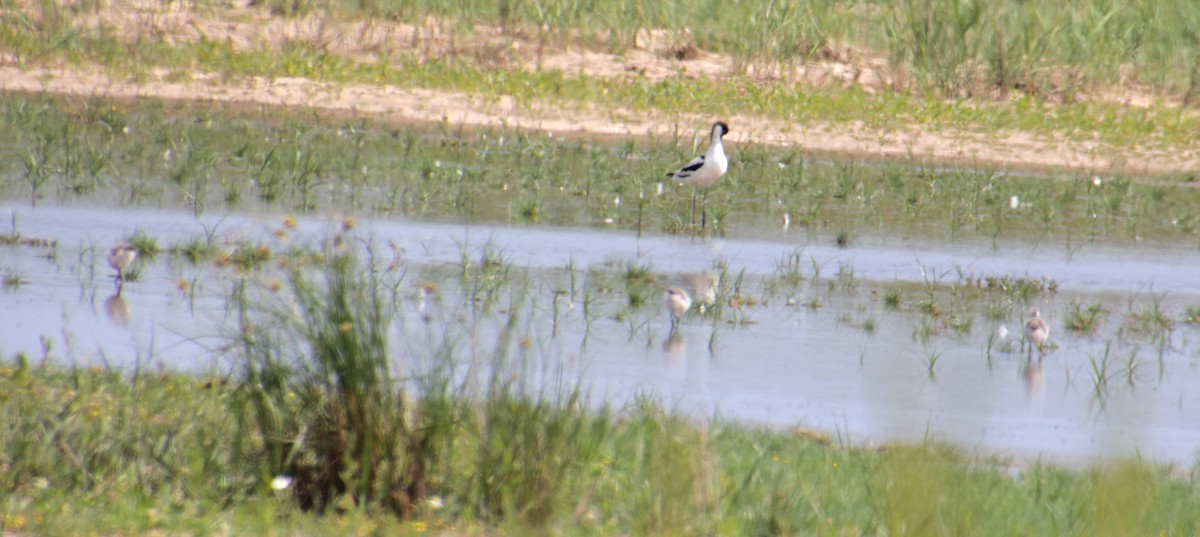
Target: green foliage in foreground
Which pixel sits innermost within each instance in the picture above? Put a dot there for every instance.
(320, 396)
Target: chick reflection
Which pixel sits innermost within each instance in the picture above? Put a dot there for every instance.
(117, 308)
(1035, 381)
(675, 351)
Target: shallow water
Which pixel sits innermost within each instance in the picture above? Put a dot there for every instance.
(787, 364)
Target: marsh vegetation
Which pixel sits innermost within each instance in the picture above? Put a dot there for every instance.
(154, 156)
(341, 321)
(333, 409)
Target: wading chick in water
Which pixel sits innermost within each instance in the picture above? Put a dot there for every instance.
(704, 170)
(120, 257)
(677, 302)
(1036, 330)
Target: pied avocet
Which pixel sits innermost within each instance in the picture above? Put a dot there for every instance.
(705, 169)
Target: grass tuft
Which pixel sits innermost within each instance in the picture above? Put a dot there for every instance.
(1083, 319)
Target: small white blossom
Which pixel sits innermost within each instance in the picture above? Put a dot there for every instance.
(281, 482)
(434, 502)
(1014, 202)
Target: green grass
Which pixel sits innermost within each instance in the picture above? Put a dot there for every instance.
(953, 47)
(892, 297)
(1083, 319)
(12, 279)
(640, 283)
(196, 250)
(156, 453)
(1191, 315)
(145, 244)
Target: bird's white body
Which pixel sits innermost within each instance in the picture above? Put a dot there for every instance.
(1036, 329)
(677, 302)
(120, 257)
(705, 169)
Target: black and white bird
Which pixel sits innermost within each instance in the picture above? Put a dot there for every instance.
(705, 169)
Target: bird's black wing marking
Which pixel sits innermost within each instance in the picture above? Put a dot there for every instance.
(695, 165)
(685, 171)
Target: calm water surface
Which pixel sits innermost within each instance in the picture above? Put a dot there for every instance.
(789, 364)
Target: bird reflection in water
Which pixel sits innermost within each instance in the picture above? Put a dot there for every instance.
(117, 308)
(1035, 380)
(674, 349)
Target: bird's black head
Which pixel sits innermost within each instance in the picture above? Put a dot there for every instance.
(721, 128)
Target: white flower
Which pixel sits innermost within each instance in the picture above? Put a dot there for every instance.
(281, 482)
(1096, 180)
(434, 502)
(1014, 202)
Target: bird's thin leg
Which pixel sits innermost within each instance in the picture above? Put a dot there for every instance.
(704, 210)
(694, 192)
